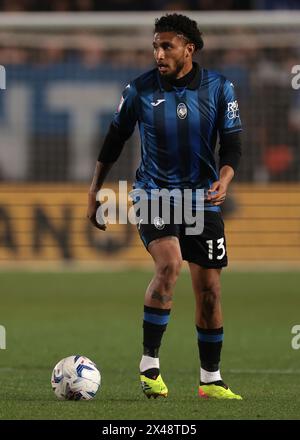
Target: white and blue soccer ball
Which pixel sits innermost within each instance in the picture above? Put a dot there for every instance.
(75, 378)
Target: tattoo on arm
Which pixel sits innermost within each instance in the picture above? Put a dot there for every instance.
(161, 298)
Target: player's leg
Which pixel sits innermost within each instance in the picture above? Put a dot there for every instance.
(206, 254)
(209, 325)
(208, 319)
(167, 258)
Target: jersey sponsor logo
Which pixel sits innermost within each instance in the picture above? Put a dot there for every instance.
(232, 110)
(181, 110)
(159, 101)
(159, 223)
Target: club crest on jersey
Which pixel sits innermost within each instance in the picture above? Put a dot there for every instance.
(159, 223)
(181, 110)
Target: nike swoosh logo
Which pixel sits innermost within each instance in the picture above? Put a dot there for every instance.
(159, 101)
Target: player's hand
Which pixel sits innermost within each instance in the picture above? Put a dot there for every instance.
(217, 193)
(93, 205)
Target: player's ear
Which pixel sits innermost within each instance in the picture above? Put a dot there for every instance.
(190, 49)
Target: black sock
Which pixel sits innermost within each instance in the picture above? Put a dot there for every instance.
(152, 373)
(220, 383)
(210, 346)
(154, 325)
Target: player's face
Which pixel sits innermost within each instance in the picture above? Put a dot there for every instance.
(173, 54)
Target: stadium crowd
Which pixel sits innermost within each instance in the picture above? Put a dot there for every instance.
(137, 5)
(270, 112)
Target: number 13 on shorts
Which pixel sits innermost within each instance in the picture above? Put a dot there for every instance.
(216, 248)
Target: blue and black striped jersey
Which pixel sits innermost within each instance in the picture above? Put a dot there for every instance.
(178, 127)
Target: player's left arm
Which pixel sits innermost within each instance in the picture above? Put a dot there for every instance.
(218, 190)
(230, 154)
(229, 127)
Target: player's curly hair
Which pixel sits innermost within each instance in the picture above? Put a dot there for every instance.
(181, 24)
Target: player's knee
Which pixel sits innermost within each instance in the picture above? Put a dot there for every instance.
(210, 299)
(168, 271)
(211, 293)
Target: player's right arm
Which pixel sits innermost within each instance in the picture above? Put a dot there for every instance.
(101, 171)
(120, 130)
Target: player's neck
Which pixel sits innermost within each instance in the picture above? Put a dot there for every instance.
(185, 71)
(183, 81)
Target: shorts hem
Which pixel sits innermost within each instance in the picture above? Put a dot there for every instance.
(158, 238)
(205, 264)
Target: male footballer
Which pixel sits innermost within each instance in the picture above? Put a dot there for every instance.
(181, 108)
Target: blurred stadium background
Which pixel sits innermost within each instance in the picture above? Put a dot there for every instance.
(66, 64)
(65, 72)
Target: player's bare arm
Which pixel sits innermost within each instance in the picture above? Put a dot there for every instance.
(101, 171)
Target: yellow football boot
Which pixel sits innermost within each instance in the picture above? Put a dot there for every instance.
(217, 391)
(153, 387)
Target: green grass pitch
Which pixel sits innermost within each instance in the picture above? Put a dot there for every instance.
(49, 316)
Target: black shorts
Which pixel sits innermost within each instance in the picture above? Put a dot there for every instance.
(207, 249)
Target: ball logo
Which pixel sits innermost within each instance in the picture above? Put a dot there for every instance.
(181, 110)
(159, 223)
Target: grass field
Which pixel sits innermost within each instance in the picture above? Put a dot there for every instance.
(49, 316)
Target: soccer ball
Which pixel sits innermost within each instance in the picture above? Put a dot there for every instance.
(75, 378)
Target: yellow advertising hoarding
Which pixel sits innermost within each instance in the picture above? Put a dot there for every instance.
(48, 223)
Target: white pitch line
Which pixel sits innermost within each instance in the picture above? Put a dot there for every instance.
(257, 371)
(232, 371)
